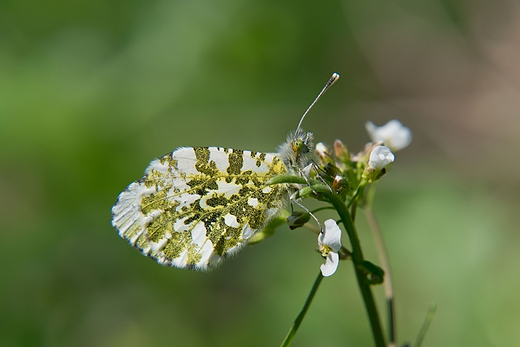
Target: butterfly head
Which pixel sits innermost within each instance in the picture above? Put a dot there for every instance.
(296, 150)
(301, 142)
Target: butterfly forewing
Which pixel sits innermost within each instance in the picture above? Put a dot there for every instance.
(195, 206)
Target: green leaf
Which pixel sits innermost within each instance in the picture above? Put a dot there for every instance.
(375, 273)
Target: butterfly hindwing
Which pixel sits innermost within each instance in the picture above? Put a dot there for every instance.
(195, 206)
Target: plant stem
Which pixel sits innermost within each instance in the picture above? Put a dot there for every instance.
(322, 209)
(426, 324)
(385, 265)
(290, 335)
(357, 259)
(353, 210)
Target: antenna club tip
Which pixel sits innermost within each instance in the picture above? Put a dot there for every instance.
(334, 77)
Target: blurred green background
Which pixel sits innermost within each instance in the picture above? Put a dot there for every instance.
(91, 91)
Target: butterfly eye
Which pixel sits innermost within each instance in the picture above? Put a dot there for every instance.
(298, 146)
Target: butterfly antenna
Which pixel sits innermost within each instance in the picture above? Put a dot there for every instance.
(331, 81)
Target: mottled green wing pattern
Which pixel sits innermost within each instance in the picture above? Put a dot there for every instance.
(195, 206)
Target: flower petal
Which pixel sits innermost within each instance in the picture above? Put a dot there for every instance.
(331, 264)
(380, 157)
(331, 235)
(393, 134)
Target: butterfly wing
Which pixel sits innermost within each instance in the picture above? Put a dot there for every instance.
(195, 206)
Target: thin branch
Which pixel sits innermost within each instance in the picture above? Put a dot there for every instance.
(385, 265)
(357, 259)
(290, 335)
(426, 324)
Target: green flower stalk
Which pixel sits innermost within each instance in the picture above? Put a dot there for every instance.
(343, 181)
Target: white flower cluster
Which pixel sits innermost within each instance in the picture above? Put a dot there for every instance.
(393, 136)
(339, 164)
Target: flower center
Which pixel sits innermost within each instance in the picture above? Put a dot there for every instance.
(325, 250)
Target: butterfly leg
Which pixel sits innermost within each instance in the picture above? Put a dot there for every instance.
(318, 170)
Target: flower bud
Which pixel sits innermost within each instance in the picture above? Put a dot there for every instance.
(339, 184)
(341, 152)
(380, 157)
(331, 170)
(298, 219)
(324, 153)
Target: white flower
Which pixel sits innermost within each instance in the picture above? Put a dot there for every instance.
(380, 157)
(329, 242)
(393, 134)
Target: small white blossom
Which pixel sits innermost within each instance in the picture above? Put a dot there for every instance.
(393, 134)
(321, 149)
(329, 242)
(380, 157)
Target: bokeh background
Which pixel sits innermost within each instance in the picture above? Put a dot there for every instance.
(91, 91)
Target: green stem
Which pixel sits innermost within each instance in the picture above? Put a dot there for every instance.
(426, 324)
(385, 265)
(353, 211)
(357, 259)
(355, 198)
(290, 335)
(322, 209)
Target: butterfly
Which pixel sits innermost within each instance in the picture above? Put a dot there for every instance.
(196, 206)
